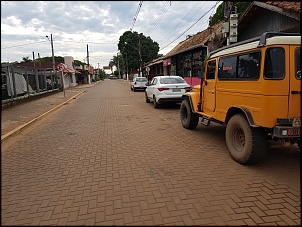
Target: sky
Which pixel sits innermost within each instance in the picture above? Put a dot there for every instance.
(98, 25)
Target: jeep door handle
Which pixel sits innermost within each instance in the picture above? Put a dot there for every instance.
(296, 92)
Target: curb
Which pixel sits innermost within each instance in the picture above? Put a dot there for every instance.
(9, 134)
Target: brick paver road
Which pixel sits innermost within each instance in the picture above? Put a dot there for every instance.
(109, 158)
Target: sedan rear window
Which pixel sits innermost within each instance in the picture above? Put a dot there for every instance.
(141, 79)
(172, 80)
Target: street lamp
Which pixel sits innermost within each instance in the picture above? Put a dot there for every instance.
(118, 65)
(140, 56)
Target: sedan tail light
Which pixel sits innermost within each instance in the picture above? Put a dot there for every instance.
(188, 89)
(162, 88)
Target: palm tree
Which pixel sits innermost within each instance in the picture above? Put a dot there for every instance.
(26, 59)
(111, 64)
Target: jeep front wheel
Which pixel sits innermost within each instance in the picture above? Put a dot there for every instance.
(246, 144)
(189, 120)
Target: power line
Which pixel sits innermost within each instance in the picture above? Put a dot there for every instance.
(192, 25)
(136, 14)
(58, 42)
(161, 14)
(183, 18)
(23, 44)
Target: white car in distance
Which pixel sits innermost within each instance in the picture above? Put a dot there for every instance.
(166, 89)
(138, 83)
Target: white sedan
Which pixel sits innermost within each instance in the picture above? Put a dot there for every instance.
(166, 89)
(138, 83)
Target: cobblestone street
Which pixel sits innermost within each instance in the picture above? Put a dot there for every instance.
(109, 158)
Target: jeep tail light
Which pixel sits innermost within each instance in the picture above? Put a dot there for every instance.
(135, 82)
(162, 88)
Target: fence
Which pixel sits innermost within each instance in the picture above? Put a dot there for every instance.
(20, 83)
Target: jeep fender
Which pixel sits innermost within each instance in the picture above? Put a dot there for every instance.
(237, 109)
(188, 96)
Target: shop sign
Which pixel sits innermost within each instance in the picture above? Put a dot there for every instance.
(167, 62)
(61, 67)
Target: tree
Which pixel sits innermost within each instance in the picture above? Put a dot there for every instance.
(219, 15)
(26, 59)
(78, 63)
(111, 64)
(133, 47)
(100, 74)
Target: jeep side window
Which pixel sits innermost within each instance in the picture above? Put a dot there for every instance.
(274, 66)
(227, 68)
(211, 70)
(248, 66)
(238, 67)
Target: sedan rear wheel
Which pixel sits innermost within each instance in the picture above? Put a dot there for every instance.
(147, 99)
(155, 104)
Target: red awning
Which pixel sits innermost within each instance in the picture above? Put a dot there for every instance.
(67, 70)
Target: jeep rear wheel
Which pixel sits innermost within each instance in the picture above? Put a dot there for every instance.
(247, 145)
(189, 120)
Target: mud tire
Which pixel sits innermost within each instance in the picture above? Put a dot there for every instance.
(246, 144)
(189, 120)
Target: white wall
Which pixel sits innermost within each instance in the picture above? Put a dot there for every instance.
(68, 60)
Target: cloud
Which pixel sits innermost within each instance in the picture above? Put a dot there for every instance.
(74, 24)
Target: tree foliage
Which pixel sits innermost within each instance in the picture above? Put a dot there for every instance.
(78, 63)
(26, 59)
(133, 47)
(219, 15)
(101, 74)
(49, 59)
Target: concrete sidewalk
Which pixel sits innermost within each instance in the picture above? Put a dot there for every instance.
(15, 118)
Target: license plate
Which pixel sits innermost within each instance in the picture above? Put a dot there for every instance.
(296, 122)
(176, 89)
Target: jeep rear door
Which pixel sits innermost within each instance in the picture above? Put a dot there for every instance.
(295, 83)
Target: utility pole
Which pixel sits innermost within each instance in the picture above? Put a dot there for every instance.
(118, 66)
(39, 61)
(53, 62)
(88, 65)
(40, 70)
(229, 27)
(36, 76)
(53, 55)
(140, 56)
(127, 66)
